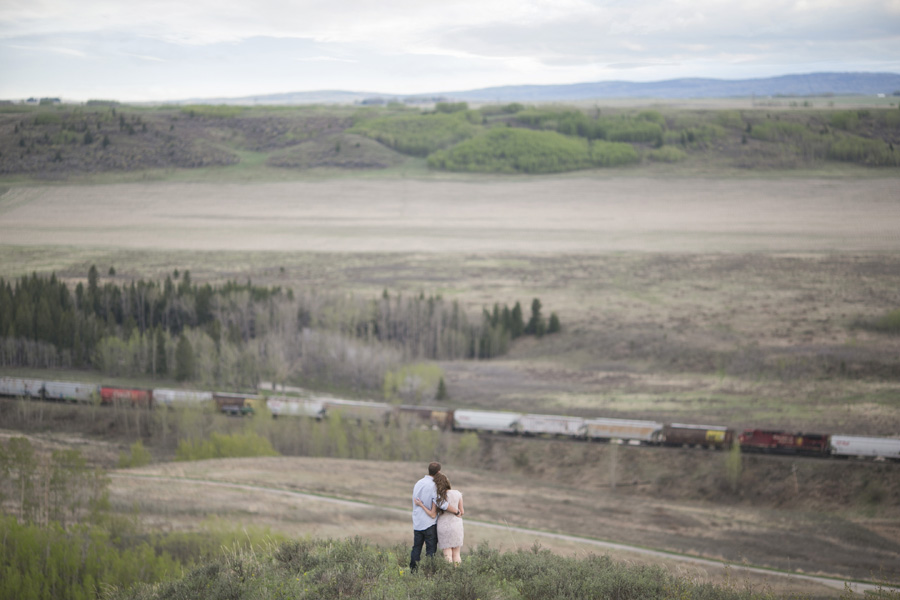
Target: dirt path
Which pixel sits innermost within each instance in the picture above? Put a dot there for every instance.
(736, 569)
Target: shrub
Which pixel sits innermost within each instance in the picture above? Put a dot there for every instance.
(212, 112)
(137, 457)
(451, 107)
(848, 120)
(780, 131)
(418, 135)
(863, 151)
(635, 131)
(509, 150)
(47, 118)
(730, 119)
(669, 154)
(225, 446)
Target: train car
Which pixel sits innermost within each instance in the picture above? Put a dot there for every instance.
(845, 446)
(295, 407)
(235, 404)
(698, 436)
(126, 396)
(67, 391)
(18, 387)
(531, 424)
(428, 416)
(173, 398)
(783, 442)
(360, 410)
(482, 420)
(638, 432)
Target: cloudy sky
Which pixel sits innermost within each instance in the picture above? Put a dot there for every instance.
(175, 49)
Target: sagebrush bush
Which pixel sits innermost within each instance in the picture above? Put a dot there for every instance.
(337, 569)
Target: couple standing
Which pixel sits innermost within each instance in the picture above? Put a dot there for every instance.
(437, 517)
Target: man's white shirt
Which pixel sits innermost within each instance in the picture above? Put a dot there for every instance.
(426, 491)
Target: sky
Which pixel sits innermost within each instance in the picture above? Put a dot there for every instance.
(154, 50)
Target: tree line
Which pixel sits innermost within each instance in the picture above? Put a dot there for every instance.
(233, 335)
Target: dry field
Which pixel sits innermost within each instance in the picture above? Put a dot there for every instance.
(539, 216)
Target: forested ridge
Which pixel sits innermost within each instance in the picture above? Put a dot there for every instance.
(235, 334)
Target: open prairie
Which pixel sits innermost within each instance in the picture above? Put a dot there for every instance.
(562, 215)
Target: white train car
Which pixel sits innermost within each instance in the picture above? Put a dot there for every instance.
(71, 391)
(647, 432)
(865, 447)
(551, 425)
(21, 388)
(482, 420)
(295, 407)
(173, 398)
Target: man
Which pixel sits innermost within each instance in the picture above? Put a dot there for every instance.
(425, 527)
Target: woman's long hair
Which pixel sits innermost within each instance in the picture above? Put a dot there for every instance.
(443, 486)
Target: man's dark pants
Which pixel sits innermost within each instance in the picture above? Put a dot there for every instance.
(427, 537)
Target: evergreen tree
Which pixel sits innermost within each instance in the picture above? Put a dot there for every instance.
(441, 390)
(184, 360)
(24, 319)
(517, 322)
(536, 324)
(553, 326)
(93, 289)
(43, 323)
(161, 366)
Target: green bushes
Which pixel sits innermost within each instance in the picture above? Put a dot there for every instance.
(47, 118)
(208, 111)
(138, 456)
(220, 445)
(50, 562)
(635, 131)
(668, 154)
(89, 561)
(613, 154)
(332, 569)
(418, 135)
(848, 120)
(509, 150)
(780, 131)
(864, 151)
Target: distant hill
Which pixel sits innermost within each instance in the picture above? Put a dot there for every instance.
(813, 84)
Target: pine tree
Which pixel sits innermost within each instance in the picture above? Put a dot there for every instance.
(554, 325)
(536, 325)
(184, 360)
(441, 390)
(517, 322)
(161, 366)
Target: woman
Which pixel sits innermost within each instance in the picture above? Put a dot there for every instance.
(449, 524)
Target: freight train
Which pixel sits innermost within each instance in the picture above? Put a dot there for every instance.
(624, 431)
